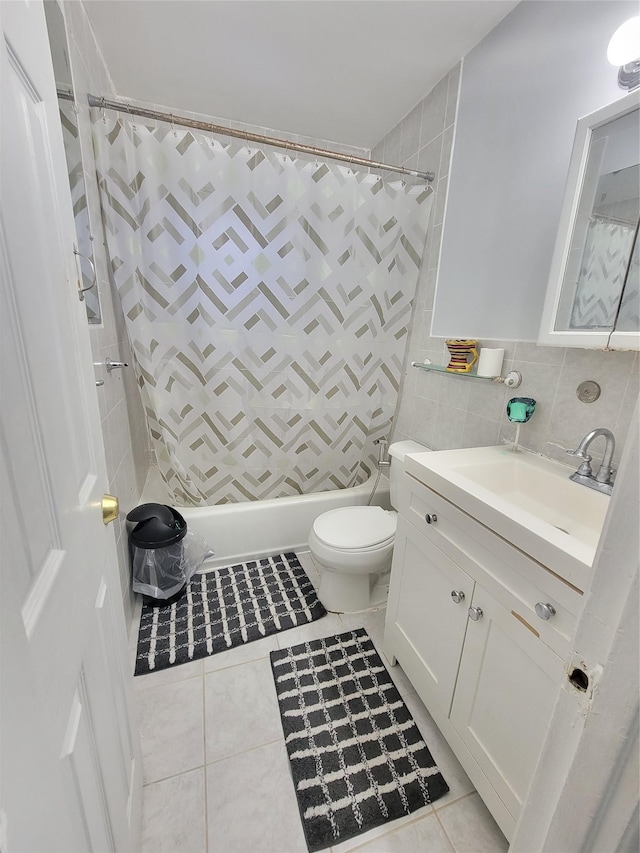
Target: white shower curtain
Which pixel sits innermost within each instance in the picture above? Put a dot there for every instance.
(267, 302)
(604, 264)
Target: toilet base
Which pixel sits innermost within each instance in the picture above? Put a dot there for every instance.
(342, 593)
(380, 590)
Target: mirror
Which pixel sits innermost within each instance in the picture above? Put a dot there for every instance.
(593, 295)
(73, 154)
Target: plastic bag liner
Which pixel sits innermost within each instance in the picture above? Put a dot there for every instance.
(162, 572)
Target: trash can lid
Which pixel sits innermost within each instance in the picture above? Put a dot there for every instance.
(157, 526)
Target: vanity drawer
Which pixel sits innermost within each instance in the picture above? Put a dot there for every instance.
(515, 579)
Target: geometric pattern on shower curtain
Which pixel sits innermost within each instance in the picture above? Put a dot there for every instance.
(629, 314)
(267, 302)
(603, 268)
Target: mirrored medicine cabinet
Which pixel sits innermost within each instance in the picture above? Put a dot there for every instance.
(593, 293)
(75, 169)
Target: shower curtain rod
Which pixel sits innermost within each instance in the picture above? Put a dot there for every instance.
(105, 103)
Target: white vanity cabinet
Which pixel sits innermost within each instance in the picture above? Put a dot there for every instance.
(461, 621)
(506, 687)
(427, 624)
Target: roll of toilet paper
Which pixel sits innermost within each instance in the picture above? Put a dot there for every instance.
(490, 362)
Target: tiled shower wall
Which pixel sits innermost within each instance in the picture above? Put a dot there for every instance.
(445, 411)
(123, 421)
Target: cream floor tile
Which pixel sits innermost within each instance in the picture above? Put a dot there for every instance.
(326, 626)
(459, 783)
(361, 841)
(424, 834)
(241, 709)
(306, 561)
(241, 654)
(170, 719)
(470, 827)
(372, 621)
(169, 675)
(252, 805)
(173, 814)
(400, 679)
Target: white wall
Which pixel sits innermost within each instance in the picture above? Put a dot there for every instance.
(445, 411)
(523, 89)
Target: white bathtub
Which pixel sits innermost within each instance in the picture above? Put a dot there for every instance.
(244, 531)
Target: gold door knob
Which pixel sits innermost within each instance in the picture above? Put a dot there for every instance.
(110, 508)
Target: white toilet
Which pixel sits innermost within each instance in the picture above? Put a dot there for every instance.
(352, 546)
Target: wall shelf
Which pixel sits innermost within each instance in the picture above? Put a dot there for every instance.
(512, 379)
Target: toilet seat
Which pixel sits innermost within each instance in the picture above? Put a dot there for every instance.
(356, 529)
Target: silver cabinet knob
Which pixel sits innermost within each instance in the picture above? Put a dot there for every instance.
(431, 518)
(457, 595)
(545, 611)
(475, 613)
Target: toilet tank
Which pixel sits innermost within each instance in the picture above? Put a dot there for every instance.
(397, 451)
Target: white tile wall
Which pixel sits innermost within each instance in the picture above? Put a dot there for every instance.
(251, 128)
(447, 412)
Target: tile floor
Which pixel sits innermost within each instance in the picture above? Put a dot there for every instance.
(216, 774)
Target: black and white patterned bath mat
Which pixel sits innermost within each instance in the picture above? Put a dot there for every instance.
(227, 607)
(357, 757)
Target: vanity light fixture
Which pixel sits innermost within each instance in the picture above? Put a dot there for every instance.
(624, 51)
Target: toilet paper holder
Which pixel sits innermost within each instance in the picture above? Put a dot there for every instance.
(513, 379)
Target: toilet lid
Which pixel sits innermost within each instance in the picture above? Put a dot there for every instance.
(355, 527)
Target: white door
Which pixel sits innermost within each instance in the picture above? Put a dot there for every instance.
(70, 760)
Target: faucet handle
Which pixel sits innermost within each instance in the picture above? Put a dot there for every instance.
(585, 469)
(579, 454)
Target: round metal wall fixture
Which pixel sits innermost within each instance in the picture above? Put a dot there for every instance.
(588, 392)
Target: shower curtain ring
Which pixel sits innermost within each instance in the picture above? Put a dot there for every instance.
(103, 103)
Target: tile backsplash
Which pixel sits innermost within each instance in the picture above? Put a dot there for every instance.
(449, 411)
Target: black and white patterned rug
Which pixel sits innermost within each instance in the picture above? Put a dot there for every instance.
(227, 607)
(357, 757)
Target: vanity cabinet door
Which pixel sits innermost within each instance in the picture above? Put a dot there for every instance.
(506, 689)
(425, 627)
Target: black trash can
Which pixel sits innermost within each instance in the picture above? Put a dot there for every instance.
(160, 572)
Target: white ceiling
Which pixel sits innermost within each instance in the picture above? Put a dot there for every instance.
(340, 70)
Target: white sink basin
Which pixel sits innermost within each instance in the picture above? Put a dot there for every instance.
(526, 499)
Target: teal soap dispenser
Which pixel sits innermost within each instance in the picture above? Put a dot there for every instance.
(519, 411)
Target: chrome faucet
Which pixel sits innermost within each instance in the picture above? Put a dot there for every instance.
(602, 481)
